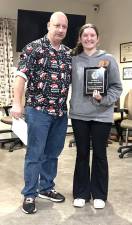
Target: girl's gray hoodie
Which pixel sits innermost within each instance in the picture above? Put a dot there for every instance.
(86, 107)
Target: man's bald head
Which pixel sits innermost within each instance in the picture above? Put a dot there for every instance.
(58, 14)
(57, 28)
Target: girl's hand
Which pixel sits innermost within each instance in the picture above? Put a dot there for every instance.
(97, 95)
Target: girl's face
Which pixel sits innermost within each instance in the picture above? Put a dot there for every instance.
(89, 39)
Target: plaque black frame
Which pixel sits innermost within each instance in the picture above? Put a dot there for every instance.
(104, 82)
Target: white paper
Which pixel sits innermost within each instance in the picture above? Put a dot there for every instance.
(19, 127)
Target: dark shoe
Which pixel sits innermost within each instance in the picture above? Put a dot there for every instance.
(52, 196)
(29, 205)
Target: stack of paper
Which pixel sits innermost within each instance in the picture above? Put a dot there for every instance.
(19, 127)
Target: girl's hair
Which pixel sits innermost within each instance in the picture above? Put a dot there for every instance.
(79, 48)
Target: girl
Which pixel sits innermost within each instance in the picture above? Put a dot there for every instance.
(92, 117)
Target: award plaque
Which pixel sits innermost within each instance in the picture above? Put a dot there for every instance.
(95, 78)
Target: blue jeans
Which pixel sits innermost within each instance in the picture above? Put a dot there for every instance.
(46, 137)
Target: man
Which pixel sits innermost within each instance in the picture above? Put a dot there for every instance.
(45, 65)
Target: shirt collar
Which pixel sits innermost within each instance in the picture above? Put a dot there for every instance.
(61, 48)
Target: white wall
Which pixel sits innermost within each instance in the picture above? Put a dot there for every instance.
(9, 8)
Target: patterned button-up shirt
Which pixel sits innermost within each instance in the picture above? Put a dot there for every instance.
(48, 74)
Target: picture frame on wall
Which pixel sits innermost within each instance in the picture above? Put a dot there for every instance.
(127, 73)
(126, 52)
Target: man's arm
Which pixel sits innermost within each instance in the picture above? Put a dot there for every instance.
(17, 108)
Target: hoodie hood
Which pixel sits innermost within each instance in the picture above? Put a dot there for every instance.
(98, 53)
(83, 60)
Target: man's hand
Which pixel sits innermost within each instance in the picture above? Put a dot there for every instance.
(16, 111)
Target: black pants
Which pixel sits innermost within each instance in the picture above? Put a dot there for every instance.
(94, 183)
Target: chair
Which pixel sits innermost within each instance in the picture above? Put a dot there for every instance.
(126, 124)
(13, 140)
(118, 116)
